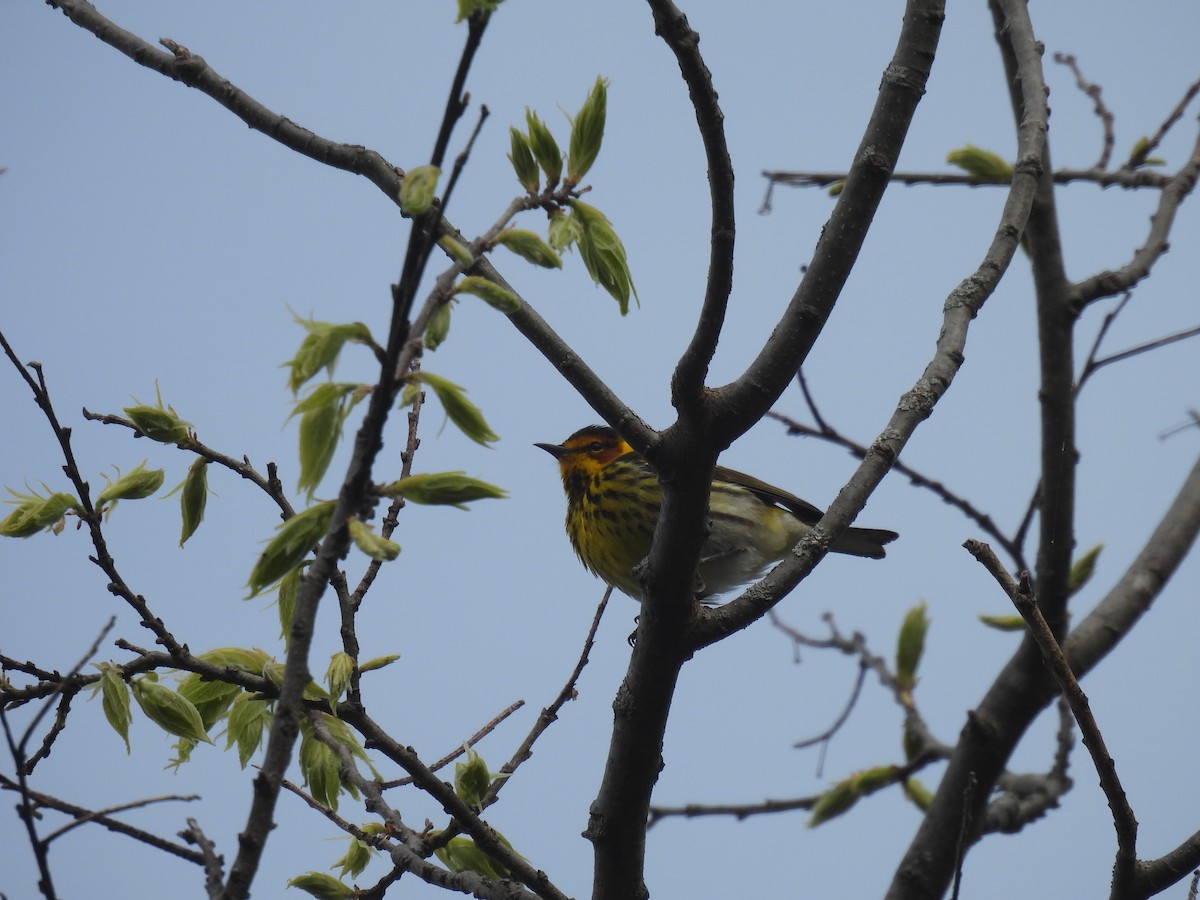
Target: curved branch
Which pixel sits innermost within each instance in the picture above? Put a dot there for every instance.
(1114, 281)
(687, 384)
(740, 404)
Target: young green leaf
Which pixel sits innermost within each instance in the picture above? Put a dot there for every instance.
(461, 411)
(319, 766)
(544, 147)
(603, 254)
(378, 662)
(358, 854)
(288, 588)
(982, 164)
(1084, 568)
(291, 544)
(461, 855)
(159, 423)
(337, 676)
(910, 645)
(248, 721)
(193, 497)
(564, 231)
(114, 700)
(139, 484)
(1003, 623)
(587, 132)
(35, 513)
(372, 544)
(521, 158)
(322, 886)
(443, 489)
(170, 711)
(321, 347)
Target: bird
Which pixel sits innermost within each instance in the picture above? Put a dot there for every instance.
(613, 500)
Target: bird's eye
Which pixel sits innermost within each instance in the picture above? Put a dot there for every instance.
(595, 447)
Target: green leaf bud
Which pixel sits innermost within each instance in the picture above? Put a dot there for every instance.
(920, 795)
(837, 187)
(870, 780)
(443, 489)
(466, 8)
(544, 147)
(35, 513)
(835, 801)
(462, 855)
(603, 254)
(587, 132)
(472, 779)
(457, 251)
(159, 424)
(169, 710)
(245, 659)
(193, 497)
(417, 189)
(1084, 568)
(378, 662)
(438, 327)
(370, 543)
(521, 158)
(320, 431)
(1003, 623)
(982, 164)
(292, 542)
(139, 484)
(322, 886)
(489, 292)
(531, 248)
(461, 411)
(910, 645)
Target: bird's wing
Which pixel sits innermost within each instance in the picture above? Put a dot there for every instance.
(801, 509)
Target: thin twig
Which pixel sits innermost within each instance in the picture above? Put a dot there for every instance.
(214, 863)
(1093, 91)
(466, 745)
(833, 436)
(550, 714)
(1143, 150)
(1022, 596)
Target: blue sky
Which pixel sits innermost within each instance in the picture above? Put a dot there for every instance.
(150, 237)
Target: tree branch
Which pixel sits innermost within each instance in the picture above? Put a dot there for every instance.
(1124, 821)
(687, 384)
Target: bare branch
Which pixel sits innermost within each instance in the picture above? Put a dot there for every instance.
(1109, 283)
(214, 863)
(1124, 821)
(1093, 91)
(687, 385)
(100, 818)
(1143, 150)
(980, 518)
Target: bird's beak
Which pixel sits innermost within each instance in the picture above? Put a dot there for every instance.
(555, 450)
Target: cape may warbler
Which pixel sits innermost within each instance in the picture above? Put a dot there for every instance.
(613, 498)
